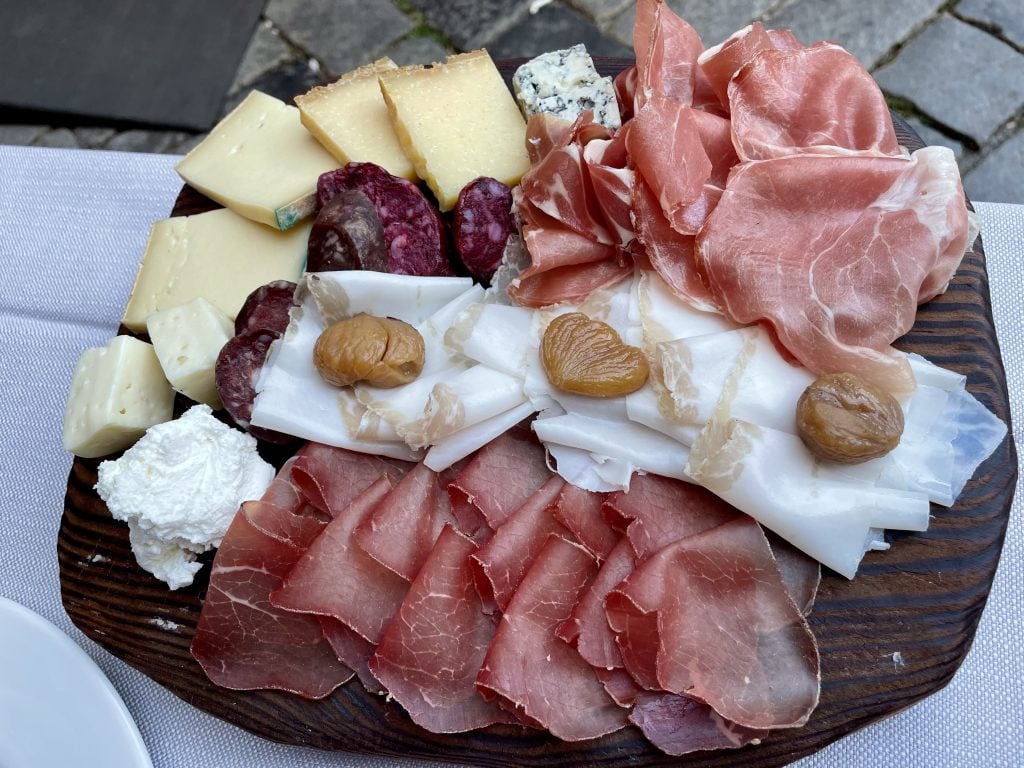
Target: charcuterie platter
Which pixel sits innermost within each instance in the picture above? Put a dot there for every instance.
(888, 638)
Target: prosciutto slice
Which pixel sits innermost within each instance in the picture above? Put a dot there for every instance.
(581, 513)
(666, 50)
(533, 670)
(834, 254)
(570, 284)
(709, 616)
(720, 63)
(335, 577)
(819, 99)
(429, 656)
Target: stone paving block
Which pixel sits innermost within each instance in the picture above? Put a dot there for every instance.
(1006, 16)
(186, 145)
(63, 138)
(265, 52)
(551, 28)
(602, 10)
(416, 50)
(959, 76)
(341, 33)
(144, 141)
(714, 21)
(285, 83)
(470, 24)
(20, 135)
(999, 178)
(932, 137)
(867, 30)
(93, 137)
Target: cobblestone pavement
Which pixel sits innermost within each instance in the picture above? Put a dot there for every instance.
(954, 68)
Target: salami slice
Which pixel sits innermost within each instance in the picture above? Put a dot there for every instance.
(415, 234)
(347, 234)
(481, 224)
(238, 366)
(266, 308)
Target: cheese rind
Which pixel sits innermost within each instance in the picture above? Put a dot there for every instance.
(260, 162)
(219, 256)
(457, 121)
(117, 393)
(350, 119)
(187, 340)
(565, 83)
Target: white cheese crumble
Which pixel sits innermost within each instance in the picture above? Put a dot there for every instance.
(178, 488)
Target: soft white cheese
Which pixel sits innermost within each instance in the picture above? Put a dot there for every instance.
(178, 488)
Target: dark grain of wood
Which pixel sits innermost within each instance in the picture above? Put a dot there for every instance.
(922, 599)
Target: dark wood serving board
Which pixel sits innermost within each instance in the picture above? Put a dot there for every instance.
(923, 599)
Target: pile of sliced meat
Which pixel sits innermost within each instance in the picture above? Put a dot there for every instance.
(498, 593)
(761, 178)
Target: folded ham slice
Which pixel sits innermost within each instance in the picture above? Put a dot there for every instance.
(834, 253)
(429, 656)
(720, 63)
(666, 48)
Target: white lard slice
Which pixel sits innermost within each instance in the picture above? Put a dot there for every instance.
(459, 445)
(772, 477)
(496, 335)
(413, 299)
(664, 316)
(292, 398)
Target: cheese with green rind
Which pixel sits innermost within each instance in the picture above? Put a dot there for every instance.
(349, 117)
(260, 162)
(219, 256)
(457, 121)
(117, 392)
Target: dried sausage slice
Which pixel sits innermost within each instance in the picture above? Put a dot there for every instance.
(481, 224)
(266, 308)
(347, 234)
(237, 368)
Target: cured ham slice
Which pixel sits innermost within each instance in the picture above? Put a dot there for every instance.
(242, 641)
(401, 530)
(505, 559)
(818, 99)
(834, 253)
(709, 616)
(330, 478)
(716, 138)
(580, 512)
(429, 656)
(553, 244)
(336, 578)
(720, 63)
(353, 650)
(497, 480)
(570, 284)
(545, 132)
(678, 725)
(666, 50)
(537, 673)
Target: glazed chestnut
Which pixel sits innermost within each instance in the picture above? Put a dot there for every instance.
(587, 357)
(380, 351)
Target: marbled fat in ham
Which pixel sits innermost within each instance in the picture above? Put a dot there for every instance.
(533, 670)
(429, 655)
(709, 616)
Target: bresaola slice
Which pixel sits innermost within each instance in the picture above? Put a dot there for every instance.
(534, 670)
(678, 725)
(429, 655)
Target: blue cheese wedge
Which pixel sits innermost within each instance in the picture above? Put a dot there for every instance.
(565, 83)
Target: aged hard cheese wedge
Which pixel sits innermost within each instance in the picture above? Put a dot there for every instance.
(218, 255)
(187, 339)
(457, 121)
(260, 162)
(349, 117)
(117, 393)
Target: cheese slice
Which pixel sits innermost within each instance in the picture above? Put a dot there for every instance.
(260, 162)
(187, 340)
(349, 117)
(219, 256)
(457, 121)
(117, 393)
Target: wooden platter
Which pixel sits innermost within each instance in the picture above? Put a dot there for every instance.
(922, 599)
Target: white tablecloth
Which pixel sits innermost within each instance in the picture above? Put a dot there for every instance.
(73, 227)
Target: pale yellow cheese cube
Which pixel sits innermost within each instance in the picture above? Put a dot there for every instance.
(260, 162)
(219, 256)
(457, 121)
(349, 117)
(187, 339)
(117, 393)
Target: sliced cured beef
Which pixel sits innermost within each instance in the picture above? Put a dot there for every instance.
(403, 527)
(819, 99)
(429, 656)
(330, 478)
(242, 641)
(834, 254)
(580, 512)
(800, 573)
(678, 725)
(503, 561)
(720, 63)
(336, 578)
(353, 650)
(709, 616)
(666, 50)
(533, 670)
(619, 685)
(498, 479)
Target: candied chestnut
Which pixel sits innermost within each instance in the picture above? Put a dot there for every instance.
(381, 351)
(587, 357)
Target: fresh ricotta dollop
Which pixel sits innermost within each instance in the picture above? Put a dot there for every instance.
(178, 489)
